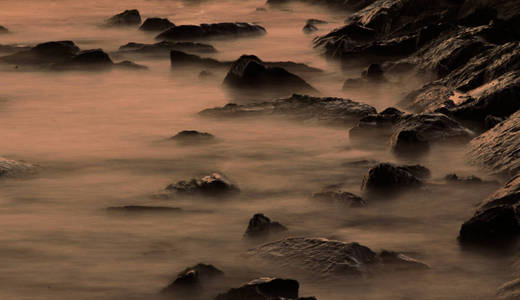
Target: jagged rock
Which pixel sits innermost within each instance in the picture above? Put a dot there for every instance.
(156, 24)
(497, 218)
(180, 59)
(315, 21)
(375, 126)
(386, 177)
(214, 185)
(12, 169)
(326, 258)
(216, 30)
(194, 277)
(340, 197)
(263, 289)
(165, 47)
(94, 57)
(193, 136)
(261, 226)
(497, 148)
(3, 30)
(335, 111)
(144, 209)
(249, 72)
(481, 12)
(126, 18)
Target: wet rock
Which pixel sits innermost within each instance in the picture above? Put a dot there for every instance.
(340, 198)
(193, 136)
(386, 177)
(13, 169)
(43, 54)
(130, 65)
(144, 209)
(182, 59)
(165, 47)
(214, 185)
(156, 24)
(454, 178)
(194, 277)
(375, 126)
(497, 218)
(497, 148)
(3, 30)
(249, 72)
(261, 226)
(309, 28)
(372, 76)
(399, 262)
(216, 30)
(94, 57)
(332, 111)
(263, 289)
(126, 18)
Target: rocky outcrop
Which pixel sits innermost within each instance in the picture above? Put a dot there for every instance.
(497, 148)
(127, 18)
(156, 24)
(164, 48)
(10, 168)
(214, 185)
(332, 111)
(389, 178)
(193, 278)
(340, 198)
(193, 137)
(265, 288)
(207, 31)
(261, 226)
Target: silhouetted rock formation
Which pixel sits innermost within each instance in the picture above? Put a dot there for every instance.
(193, 278)
(389, 178)
(206, 31)
(214, 185)
(126, 18)
(264, 289)
(193, 136)
(182, 59)
(262, 226)
(156, 24)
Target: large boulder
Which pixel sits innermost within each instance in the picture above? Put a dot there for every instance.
(214, 185)
(10, 168)
(127, 18)
(43, 54)
(388, 178)
(497, 149)
(261, 226)
(193, 278)
(156, 24)
(331, 111)
(206, 31)
(265, 288)
(165, 47)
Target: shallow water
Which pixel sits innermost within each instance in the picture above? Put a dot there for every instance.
(101, 140)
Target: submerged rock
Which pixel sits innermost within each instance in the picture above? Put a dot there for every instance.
(386, 177)
(182, 59)
(261, 226)
(214, 185)
(374, 127)
(340, 198)
(309, 28)
(126, 18)
(373, 76)
(332, 111)
(165, 47)
(12, 168)
(467, 180)
(264, 289)
(206, 31)
(193, 136)
(156, 24)
(193, 278)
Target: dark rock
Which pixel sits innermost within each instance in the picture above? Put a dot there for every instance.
(144, 209)
(453, 178)
(497, 148)
(193, 278)
(126, 64)
(193, 136)
(261, 226)
(205, 74)
(126, 18)
(165, 47)
(491, 121)
(13, 48)
(309, 28)
(399, 262)
(372, 76)
(263, 289)
(375, 73)
(214, 185)
(386, 177)
(216, 30)
(374, 127)
(181, 59)
(13, 169)
(332, 111)
(44, 54)
(315, 21)
(3, 30)
(249, 72)
(340, 197)
(156, 24)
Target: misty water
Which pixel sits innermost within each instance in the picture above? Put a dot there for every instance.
(101, 140)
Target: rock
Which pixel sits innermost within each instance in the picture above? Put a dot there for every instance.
(13, 169)
(194, 277)
(497, 219)
(144, 209)
(126, 64)
(315, 22)
(165, 47)
(453, 178)
(193, 136)
(206, 31)
(94, 57)
(372, 76)
(509, 290)
(309, 28)
(214, 185)
(491, 121)
(261, 226)
(13, 48)
(374, 127)
(3, 30)
(205, 74)
(386, 177)
(182, 59)
(340, 197)
(44, 54)
(328, 258)
(263, 289)
(497, 148)
(249, 72)
(126, 18)
(156, 24)
(332, 111)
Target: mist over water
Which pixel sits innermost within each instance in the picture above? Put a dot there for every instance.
(101, 140)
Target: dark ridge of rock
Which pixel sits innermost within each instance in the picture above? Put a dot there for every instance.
(3, 30)
(375, 126)
(309, 28)
(94, 57)
(13, 169)
(340, 198)
(43, 54)
(386, 177)
(214, 185)
(182, 59)
(193, 136)
(156, 24)
(249, 72)
(481, 12)
(454, 178)
(261, 226)
(263, 289)
(130, 65)
(329, 258)
(126, 18)
(193, 278)
(332, 111)
(497, 219)
(144, 209)
(13, 48)
(165, 47)
(316, 21)
(415, 133)
(206, 31)
(497, 148)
